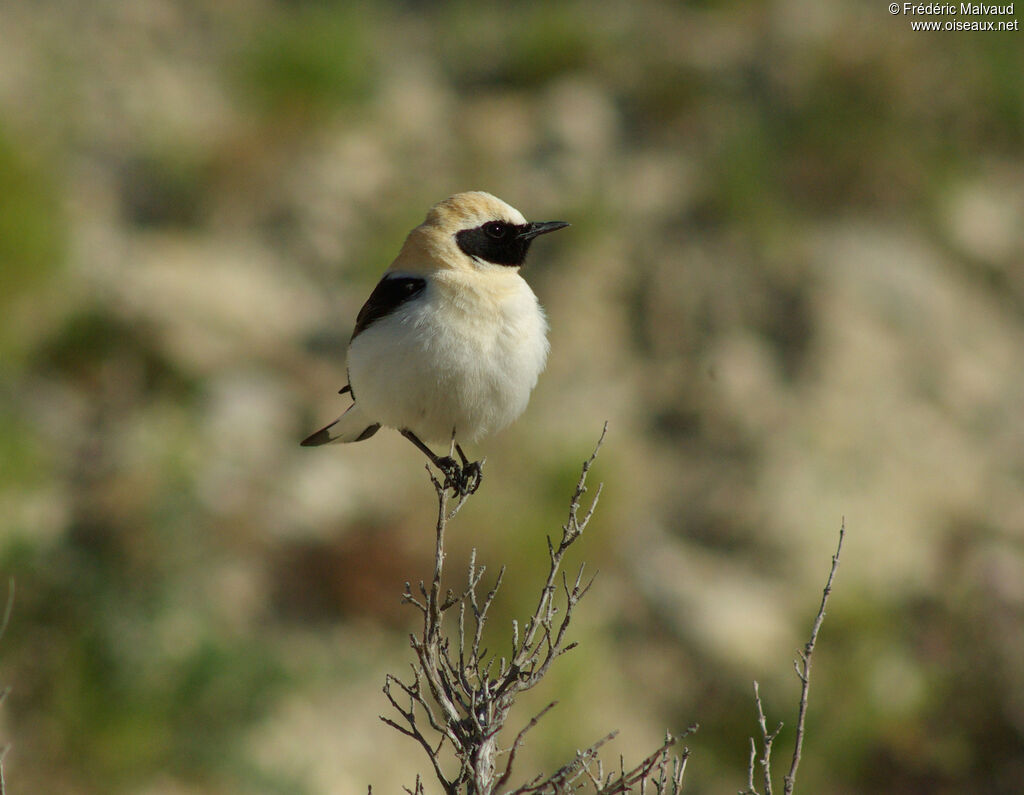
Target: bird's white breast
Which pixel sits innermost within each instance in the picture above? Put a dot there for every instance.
(463, 355)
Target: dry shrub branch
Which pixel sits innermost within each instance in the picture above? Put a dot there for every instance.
(456, 701)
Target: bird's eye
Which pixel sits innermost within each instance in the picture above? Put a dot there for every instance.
(496, 229)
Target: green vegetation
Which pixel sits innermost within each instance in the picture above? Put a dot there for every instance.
(309, 61)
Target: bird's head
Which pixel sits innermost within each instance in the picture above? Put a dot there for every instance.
(472, 231)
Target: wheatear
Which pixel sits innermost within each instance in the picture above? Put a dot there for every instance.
(451, 341)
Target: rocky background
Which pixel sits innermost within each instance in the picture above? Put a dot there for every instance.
(794, 285)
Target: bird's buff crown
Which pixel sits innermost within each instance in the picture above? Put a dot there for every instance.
(466, 210)
(431, 245)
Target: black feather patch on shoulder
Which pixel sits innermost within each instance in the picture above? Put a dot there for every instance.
(389, 294)
(322, 436)
(369, 431)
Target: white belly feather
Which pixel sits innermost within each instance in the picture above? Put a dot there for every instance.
(455, 358)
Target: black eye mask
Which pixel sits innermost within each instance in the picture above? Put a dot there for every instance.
(501, 242)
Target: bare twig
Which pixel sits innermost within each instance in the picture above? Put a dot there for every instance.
(520, 738)
(802, 665)
(669, 771)
(462, 694)
(750, 790)
(767, 740)
(562, 779)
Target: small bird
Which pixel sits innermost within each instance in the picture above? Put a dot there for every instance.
(451, 341)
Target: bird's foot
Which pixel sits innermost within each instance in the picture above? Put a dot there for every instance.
(463, 479)
(473, 476)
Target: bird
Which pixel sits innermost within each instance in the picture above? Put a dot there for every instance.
(451, 341)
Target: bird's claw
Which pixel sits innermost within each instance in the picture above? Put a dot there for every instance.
(473, 476)
(463, 479)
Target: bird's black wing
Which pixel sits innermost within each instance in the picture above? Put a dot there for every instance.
(389, 294)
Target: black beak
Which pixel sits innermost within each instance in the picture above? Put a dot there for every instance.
(541, 228)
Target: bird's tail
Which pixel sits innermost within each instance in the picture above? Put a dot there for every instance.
(352, 426)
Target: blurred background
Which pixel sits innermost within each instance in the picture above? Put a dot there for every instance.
(794, 285)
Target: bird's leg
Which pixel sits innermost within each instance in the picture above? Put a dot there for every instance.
(446, 464)
(459, 478)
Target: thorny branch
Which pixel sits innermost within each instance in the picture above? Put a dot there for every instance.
(461, 695)
(802, 665)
